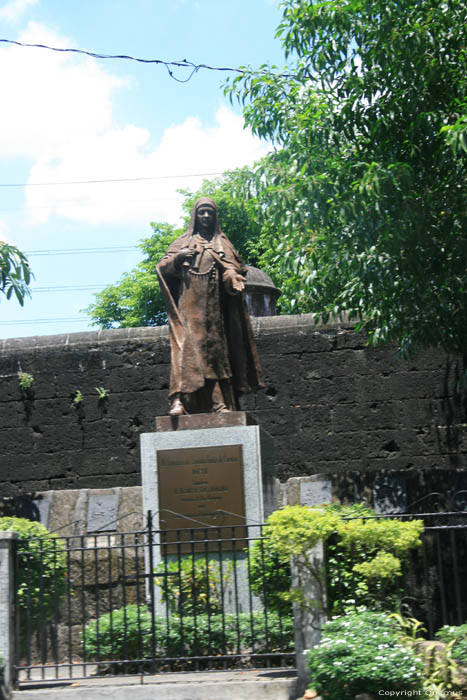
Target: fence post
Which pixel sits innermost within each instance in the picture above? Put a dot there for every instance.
(7, 627)
(313, 490)
(308, 620)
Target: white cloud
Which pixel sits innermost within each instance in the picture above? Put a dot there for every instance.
(13, 10)
(57, 111)
(188, 148)
(49, 98)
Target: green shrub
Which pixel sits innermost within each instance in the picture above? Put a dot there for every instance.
(376, 552)
(365, 556)
(362, 653)
(270, 573)
(127, 634)
(457, 634)
(193, 586)
(41, 570)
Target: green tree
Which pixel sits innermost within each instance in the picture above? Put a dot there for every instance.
(363, 199)
(15, 273)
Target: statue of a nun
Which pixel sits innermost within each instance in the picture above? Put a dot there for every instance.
(213, 354)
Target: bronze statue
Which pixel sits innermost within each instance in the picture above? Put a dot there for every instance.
(213, 354)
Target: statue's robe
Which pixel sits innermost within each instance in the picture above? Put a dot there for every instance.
(210, 330)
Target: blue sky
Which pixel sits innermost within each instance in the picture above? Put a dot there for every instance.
(68, 118)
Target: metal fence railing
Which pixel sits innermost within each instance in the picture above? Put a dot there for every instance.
(200, 598)
(149, 601)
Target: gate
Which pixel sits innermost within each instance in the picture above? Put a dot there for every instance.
(149, 601)
(194, 599)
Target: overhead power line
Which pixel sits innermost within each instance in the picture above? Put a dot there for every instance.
(183, 63)
(73, 319)
(81, 251)
(68, 288)
(95, 182)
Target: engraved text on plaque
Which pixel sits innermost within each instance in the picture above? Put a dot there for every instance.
(201, 487)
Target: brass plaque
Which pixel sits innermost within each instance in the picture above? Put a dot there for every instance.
(200, 488)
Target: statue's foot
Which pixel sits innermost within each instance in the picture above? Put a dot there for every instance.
(220, 408)
(176, 409)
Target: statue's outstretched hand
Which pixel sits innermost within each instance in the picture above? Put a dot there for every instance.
(238, 283)
(233, 282)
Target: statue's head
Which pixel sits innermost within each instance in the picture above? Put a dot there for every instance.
(204, 217)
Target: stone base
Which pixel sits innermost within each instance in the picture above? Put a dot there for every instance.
(191, 452)
(202, 487)
(197, 421)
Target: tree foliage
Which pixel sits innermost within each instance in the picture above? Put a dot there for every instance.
(15, 273)
(363, 199)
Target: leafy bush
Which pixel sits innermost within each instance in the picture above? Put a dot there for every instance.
(458, 635)
(365, 556)
(193, 586)
(367, 560)
(270, 573)
(127, 634)
(362, 653)
(41, 570)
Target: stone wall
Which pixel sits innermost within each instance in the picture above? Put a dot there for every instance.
(331, 404)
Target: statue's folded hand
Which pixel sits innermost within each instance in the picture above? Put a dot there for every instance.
(184, 256)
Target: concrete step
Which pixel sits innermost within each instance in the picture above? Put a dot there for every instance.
(214, 685)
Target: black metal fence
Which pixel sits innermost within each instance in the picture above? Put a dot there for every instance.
(149, 601)
(196, 599)
(438, 572)
(432, 587)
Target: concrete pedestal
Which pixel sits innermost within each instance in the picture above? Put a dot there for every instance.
(205, 485)
(257, 477)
